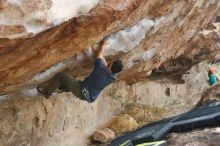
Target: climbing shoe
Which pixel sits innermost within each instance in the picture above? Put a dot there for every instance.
(44, 92)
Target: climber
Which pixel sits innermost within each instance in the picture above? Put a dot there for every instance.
(102, 75)
(212, 77)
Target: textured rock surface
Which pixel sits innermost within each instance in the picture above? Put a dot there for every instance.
(170, 29)
(58, 43)
(25, 18)
(103, 135)
(161, 38)
(206, 137)
(63, 120)
(181, 93)
(209, 95)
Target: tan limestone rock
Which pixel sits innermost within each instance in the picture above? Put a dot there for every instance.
(3, 4)
(209, 95)
(201, 137)
(103, 135)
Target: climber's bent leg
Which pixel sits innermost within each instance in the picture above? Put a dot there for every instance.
(65, 83)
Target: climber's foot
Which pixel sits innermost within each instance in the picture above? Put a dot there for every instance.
(44, 92)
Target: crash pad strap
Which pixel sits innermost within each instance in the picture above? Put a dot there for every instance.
(157, 143)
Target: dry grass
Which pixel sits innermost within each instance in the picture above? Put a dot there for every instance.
(122, 123)
(134, 116)
(144, 114)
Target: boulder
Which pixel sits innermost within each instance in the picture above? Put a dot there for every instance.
(103, 135)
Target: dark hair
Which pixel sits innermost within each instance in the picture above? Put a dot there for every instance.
(117, 66)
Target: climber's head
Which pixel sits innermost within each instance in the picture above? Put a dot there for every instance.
(115, 66)
(211, 70)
